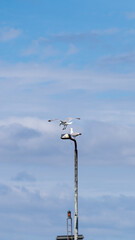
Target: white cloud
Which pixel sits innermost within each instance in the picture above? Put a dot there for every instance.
(36, 124)
(31, 212)
(60, 93)
(66, 78)
(30, 139)
(108, 144)
(29, 89)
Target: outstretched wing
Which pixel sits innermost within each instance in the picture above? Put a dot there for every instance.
(50, 120)
(69, 119)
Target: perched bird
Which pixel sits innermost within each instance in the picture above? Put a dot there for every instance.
(64, 123)
(74, 134)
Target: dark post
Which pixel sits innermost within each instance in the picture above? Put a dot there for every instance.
(76, 190)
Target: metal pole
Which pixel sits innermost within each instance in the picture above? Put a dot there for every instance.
(76, 191)
(68, 136)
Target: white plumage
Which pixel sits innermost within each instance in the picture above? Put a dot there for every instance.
(74, 134)
(65, 123)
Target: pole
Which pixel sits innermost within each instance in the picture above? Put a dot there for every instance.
(76, 190)
(68, 136)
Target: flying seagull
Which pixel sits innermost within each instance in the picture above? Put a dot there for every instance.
(65, 123)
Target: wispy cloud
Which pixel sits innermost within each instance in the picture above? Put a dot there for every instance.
(31, 50)
(128, 57)
(130, 15)
(74, 37)
(72, 50)
(9, 34)
(24, 176)
(48, 46)
(110, 31)
(67, 78)
(58, 87)
(37, 49)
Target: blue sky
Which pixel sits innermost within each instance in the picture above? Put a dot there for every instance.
(59, 59)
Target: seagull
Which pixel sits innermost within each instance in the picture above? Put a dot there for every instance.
(74, 134)
(65, 123)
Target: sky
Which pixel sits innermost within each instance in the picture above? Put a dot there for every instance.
(60, 59)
